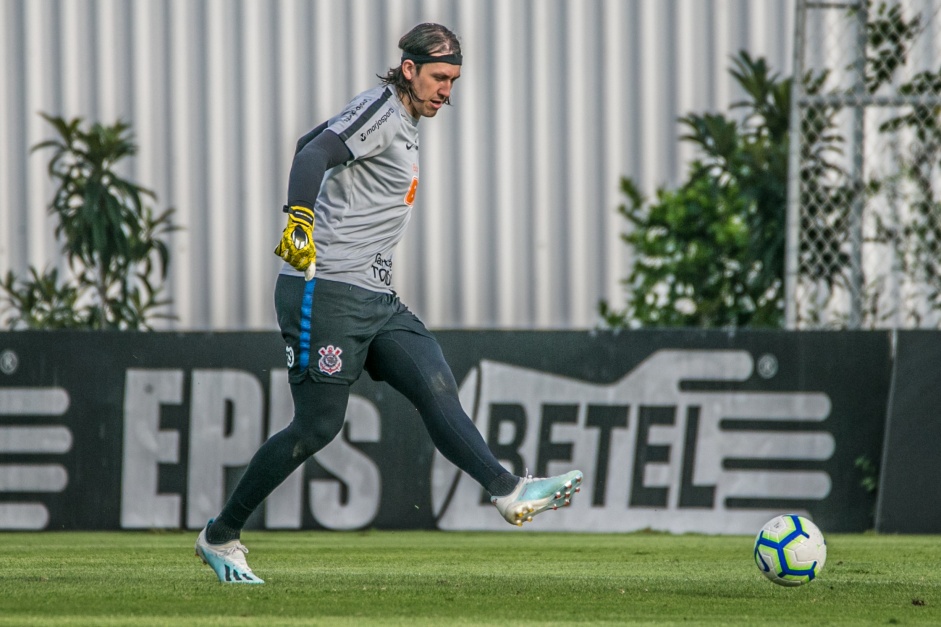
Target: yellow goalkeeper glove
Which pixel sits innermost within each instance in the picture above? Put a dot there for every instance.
(297, 241)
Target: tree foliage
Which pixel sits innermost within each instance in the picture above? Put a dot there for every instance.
(917, 238)
(710, 253)
(111, 238)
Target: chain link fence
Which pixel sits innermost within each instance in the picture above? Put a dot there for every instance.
(864, 210)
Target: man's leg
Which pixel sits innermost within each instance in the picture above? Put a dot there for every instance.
(414, 365)
(319, 412)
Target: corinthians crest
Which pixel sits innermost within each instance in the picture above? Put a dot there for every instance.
(330, 362)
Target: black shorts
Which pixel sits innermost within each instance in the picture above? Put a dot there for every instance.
(328, 326)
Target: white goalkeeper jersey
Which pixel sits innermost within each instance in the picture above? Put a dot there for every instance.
(364, 205)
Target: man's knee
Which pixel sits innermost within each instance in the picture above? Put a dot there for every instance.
(441, 384)
(312, 434)
(319, 413)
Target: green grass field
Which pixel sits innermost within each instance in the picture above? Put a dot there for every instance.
(438, 578)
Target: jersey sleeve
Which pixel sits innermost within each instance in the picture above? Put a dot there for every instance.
(366, 124)
(314, 157)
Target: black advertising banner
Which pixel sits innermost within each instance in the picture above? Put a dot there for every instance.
(910, 485)
(681, 431)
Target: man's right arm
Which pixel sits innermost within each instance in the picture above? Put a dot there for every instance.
(317, 152)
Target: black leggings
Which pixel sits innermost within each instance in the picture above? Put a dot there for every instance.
(411, 363)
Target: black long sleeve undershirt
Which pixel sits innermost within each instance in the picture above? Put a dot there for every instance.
(317, 152)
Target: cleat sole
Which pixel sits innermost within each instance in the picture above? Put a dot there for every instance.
(525, 509)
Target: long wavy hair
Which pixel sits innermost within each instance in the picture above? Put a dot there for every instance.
(424, 39)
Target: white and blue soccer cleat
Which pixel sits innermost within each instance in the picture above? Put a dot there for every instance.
(534, 495)
(227, 560)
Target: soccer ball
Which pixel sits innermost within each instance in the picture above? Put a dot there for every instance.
(790, 550)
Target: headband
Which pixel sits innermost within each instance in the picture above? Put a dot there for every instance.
(453, 59)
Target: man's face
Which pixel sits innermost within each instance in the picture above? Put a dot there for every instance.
(432, 84)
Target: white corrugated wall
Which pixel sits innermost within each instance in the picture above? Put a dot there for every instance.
(515, 224)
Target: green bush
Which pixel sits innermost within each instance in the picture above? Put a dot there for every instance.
(710, 253)
(111, 238)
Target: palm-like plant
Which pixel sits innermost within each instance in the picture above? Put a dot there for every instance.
(110, 235)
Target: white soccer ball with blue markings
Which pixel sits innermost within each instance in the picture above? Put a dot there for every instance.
(790, 550)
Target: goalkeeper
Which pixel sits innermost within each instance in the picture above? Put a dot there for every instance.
(350, 193)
